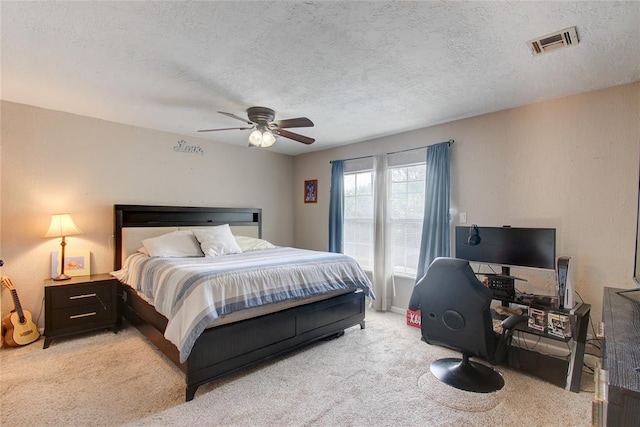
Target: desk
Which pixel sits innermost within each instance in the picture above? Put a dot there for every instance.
(563, 373)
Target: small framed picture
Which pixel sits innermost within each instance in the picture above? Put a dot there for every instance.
(77, 263)
(311, 191)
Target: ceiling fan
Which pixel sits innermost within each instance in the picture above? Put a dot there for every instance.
(261, 119)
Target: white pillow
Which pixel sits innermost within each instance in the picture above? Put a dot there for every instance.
(248, 244)
(216, 241)
(176, 244)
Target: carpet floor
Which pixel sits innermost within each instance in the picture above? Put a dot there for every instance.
(378, 376)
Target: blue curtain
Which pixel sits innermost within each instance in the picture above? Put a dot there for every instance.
(336, 206)
(435, 226)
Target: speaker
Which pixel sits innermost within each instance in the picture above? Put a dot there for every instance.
(564, 275)
(474, 236)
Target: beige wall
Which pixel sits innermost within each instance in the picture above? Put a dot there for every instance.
(570, 163)
(57, 162)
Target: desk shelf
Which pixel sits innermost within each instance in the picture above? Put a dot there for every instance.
(566, 373)
(551, 369)
(528, 330)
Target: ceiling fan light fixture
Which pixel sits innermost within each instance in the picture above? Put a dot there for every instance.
(265, 130)
(264, 139)
(268, 139)
(255, 138)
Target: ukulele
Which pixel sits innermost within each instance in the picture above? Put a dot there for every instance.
(18, 325)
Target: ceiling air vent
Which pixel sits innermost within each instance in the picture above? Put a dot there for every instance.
(562, 38)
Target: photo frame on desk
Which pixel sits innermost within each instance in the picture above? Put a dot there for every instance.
(77, 263)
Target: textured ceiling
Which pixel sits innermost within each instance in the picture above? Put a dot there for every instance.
(359, 70)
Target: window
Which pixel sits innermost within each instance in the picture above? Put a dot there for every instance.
(405, 213)
(405, 209)
(358, 217)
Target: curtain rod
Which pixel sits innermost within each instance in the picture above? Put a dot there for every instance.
(352, 158)
(450, 142)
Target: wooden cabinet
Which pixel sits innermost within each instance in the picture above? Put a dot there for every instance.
(80, 304)
(617, 399)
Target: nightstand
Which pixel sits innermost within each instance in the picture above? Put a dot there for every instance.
(80, 304)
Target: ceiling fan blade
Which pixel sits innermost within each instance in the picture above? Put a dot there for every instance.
(233, 116)
(294, 136)
(215, 130)
(299, 122)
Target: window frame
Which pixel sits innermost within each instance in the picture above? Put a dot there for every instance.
(404, 270)
(369, 264)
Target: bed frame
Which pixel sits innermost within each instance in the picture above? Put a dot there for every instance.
(231, 347)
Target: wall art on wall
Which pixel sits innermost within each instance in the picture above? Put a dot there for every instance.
(182, 147)
(77, 263)
(311, 191)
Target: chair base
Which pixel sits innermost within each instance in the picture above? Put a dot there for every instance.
(466, 375)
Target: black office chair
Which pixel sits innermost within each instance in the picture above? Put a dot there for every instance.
(455, 310)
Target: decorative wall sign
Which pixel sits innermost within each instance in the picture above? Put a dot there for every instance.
(311, 191)
(182, 147)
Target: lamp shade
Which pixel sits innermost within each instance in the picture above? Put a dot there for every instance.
(255, 138)
(268, 139)
(62, 225)
(260, 138)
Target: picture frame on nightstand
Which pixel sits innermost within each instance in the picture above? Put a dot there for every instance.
(77, 263)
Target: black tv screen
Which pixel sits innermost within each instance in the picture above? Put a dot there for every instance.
(509, 246)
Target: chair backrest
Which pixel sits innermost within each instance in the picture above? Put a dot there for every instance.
(455, 308)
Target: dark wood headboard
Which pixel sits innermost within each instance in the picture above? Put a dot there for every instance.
(181, 216)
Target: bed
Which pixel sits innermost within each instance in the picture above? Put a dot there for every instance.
(242, 338)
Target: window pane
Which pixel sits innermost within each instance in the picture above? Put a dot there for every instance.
(398, 188)
(363, 232)
(349, 185)
(406, 209)
(349, 207)
(349, 248)
(398, 174)
(364, 207)
(416, 187)
(415, 206)
(398, 209)
(349, 233)
(364, 184)
(358, 224)
(417, 173)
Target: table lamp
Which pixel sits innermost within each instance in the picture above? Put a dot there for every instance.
(62, 225)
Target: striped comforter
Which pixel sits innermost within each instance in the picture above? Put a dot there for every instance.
(192, 292)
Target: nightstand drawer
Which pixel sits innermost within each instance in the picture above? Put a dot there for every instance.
(77, 295)
(83, 316)
(80, 304)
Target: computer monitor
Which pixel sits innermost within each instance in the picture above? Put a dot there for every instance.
(508, 246)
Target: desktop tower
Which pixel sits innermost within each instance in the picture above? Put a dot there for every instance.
(564, 275)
